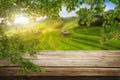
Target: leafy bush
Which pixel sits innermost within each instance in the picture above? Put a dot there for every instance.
(13, 47)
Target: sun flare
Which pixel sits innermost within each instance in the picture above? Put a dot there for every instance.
(21, 20)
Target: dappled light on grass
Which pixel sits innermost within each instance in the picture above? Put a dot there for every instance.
(21, 29)
(80, 38)
(47, 30)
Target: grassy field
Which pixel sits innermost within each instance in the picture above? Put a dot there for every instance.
(87, 38)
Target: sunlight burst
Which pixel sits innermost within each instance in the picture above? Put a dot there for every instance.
(21, 20)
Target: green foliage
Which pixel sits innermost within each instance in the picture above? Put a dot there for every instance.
(1, 64)
(85, 16)
(111, 26)
(13, 47)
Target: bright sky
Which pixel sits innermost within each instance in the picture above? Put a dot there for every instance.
(21, 20)
(0, 20)
(109, 6)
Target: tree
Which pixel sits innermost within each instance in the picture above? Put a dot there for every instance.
(50, 8)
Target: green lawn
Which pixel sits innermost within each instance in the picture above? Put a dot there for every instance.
(79, 38)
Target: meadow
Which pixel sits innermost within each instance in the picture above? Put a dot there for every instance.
(79, 38)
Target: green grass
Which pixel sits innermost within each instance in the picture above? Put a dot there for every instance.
(86, 38)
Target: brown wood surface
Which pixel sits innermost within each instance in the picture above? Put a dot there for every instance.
(71, 63)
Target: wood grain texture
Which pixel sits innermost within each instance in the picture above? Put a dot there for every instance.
(71, 63)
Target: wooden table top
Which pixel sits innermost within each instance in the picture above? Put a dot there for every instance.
(71, 63)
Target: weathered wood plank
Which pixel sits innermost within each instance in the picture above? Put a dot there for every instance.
(79, 63)
(76, 55)
(74, 63)
(53, 71)
(71, 63)
(76, 58)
